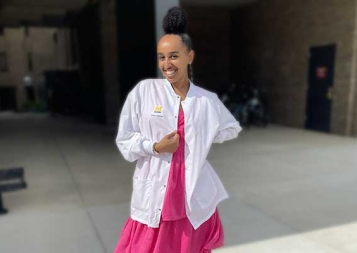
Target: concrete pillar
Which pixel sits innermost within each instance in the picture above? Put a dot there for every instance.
(353, 79)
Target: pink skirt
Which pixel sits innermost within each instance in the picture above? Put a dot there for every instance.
(171, 237)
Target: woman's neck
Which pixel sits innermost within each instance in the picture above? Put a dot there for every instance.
(181, 88)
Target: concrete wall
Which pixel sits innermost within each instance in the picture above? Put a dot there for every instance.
(272, 38)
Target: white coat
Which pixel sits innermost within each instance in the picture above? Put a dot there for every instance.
(149, 113)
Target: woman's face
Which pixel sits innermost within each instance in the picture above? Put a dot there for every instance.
(173, 58)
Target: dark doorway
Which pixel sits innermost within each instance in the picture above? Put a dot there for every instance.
(90, 63)
(7, 98)
(63, 91)
(136, 43)
(319, 94)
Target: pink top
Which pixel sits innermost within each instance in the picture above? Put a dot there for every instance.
(174, 202)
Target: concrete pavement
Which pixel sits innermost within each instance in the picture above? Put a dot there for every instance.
(290, 190)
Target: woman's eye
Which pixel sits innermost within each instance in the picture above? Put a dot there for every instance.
(161, 58)
(173, 56)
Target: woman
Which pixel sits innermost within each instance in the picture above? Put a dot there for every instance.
(167, 126)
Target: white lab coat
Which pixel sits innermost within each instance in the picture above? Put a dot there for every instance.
(149, 113)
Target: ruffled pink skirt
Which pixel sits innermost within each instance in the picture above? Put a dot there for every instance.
(171, 237)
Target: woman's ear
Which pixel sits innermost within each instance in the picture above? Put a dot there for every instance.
(191, 56)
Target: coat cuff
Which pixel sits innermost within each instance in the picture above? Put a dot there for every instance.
(148, 147)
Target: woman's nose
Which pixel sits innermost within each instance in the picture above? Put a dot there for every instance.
(167, 63)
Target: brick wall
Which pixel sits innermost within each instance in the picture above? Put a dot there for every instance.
(210, 30)
(271, 47)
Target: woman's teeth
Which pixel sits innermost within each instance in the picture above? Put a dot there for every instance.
(170, 72)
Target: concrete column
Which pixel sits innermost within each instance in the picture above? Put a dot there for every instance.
(351, 128)
(353, 80)
(161, 8)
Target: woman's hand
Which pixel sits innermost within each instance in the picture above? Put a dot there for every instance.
(168, 144)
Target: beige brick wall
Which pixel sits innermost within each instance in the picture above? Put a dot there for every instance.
(279, 34)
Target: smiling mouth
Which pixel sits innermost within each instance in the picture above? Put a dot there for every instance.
(170, 72)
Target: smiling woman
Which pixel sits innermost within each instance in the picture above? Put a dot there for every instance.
(175, 52)
(168, 126)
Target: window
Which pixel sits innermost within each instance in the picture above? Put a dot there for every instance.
(3, 62)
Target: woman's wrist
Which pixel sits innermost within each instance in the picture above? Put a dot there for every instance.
(154, 149)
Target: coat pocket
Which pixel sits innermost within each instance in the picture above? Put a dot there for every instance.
(140, 198)
(205, 190)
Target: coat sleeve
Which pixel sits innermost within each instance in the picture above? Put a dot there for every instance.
(130, 141)
(229, 127)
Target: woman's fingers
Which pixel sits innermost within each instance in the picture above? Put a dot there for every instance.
(171, 135)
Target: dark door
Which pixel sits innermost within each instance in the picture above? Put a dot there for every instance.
(136, 43)
(92, 99)
(7, 98)
(319, 94)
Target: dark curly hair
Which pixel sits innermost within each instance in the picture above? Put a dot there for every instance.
(175, 22)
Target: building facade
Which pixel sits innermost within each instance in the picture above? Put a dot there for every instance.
(274, 44)
(25, 53)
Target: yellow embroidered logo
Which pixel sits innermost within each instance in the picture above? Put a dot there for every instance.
(158, 109)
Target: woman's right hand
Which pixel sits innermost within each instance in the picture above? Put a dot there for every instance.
(168, 144)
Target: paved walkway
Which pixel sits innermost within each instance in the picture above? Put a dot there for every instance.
(292, 191)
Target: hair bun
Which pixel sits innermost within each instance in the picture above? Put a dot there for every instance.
(175, 21)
